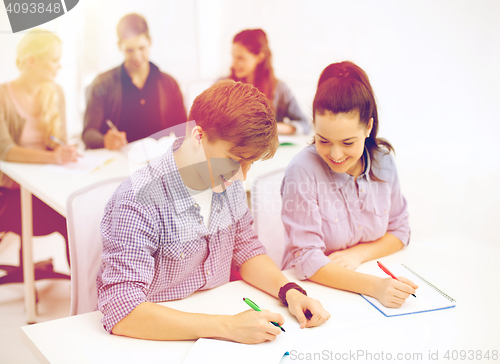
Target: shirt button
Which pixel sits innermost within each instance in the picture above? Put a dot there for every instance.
(218, 210)
(182, 255)
(196, 205)
(229, 227)
(360, 227)
(143, 101)
(199, 221)
(336, 219)
(297, 254)
(385, 211)
(208, 272)
(362, 190)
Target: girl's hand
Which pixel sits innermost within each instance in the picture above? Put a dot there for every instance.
(252, 327)
(285, 129)
(392, 293)
(65, 154)
(299, 304)
(347, 258)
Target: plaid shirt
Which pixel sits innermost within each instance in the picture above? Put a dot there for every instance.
(156, 246)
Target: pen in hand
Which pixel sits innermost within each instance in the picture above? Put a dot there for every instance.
(61, 143)
(111, 125)
(387, 271)
(253, 305)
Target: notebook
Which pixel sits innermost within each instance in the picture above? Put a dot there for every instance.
(429, 297)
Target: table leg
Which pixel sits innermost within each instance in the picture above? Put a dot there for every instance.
(28, 267)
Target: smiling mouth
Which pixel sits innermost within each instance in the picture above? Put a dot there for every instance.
(340, 161)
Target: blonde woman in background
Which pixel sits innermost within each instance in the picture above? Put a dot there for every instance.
(32, 109)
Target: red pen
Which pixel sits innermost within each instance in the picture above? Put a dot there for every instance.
(387, 271)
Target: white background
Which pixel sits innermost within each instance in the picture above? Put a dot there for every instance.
(434, 66)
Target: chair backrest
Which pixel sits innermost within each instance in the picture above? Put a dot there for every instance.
(266, 211)
(85, 209)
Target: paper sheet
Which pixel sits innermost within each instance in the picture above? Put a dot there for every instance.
(84, 165)
(211, 351)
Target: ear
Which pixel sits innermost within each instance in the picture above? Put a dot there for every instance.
(260, 57)
(197, 134)
(369, 127)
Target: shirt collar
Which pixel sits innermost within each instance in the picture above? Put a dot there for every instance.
(154, 71)
(342, 178)
(178, 191)
(181, 198)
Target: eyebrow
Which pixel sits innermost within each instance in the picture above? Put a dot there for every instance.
(355, 137)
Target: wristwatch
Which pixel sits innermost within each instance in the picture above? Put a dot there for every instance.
(286, 288)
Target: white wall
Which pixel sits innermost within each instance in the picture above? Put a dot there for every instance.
(434, 66)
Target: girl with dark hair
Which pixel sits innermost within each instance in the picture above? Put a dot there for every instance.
(252, 64)
(342, 203)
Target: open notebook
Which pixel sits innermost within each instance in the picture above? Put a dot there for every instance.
(429, 297)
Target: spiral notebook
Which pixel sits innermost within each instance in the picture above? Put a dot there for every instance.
(429, 297)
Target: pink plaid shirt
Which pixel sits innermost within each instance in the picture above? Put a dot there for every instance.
(156, 246)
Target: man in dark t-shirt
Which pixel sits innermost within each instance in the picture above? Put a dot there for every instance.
(134, 100)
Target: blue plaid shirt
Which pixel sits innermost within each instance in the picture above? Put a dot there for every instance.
(156, 246)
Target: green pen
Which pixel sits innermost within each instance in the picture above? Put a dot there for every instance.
(253, 305)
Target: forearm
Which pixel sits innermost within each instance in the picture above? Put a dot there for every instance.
(155, 322)
(384, 246)
(261, 272)
(25, 155)
(335, 276)
(93, 138)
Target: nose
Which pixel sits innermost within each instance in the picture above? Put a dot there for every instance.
(336, 153)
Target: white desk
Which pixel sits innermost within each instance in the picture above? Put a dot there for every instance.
(54, 189)
(465, 269)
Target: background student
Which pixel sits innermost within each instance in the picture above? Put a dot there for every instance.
(342, 203)
(180, 225)
(136, 97)
(252, 64)
(32, 109)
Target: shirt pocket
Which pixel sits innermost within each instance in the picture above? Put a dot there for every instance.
(183, 250)
(336, 229)
(381, 220)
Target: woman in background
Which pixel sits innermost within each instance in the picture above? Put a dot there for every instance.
(32, 112)
(252, 64)
(342, 203)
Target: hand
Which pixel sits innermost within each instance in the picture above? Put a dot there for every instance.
(347, 258)
(252, 327)
(115, 139)
(285, 129)
(65, 154)
(392, 293)
(298, 304)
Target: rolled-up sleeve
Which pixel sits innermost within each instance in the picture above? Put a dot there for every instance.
(129, 237)
(399, 224)
(304, 240)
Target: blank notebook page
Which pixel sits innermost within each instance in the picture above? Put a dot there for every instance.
(429, 297)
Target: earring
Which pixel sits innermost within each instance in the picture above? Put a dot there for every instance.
(368, 135)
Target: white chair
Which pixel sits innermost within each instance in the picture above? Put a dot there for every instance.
(266, 210)
(85, 209)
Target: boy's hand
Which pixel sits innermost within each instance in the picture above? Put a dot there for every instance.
(299, 304)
